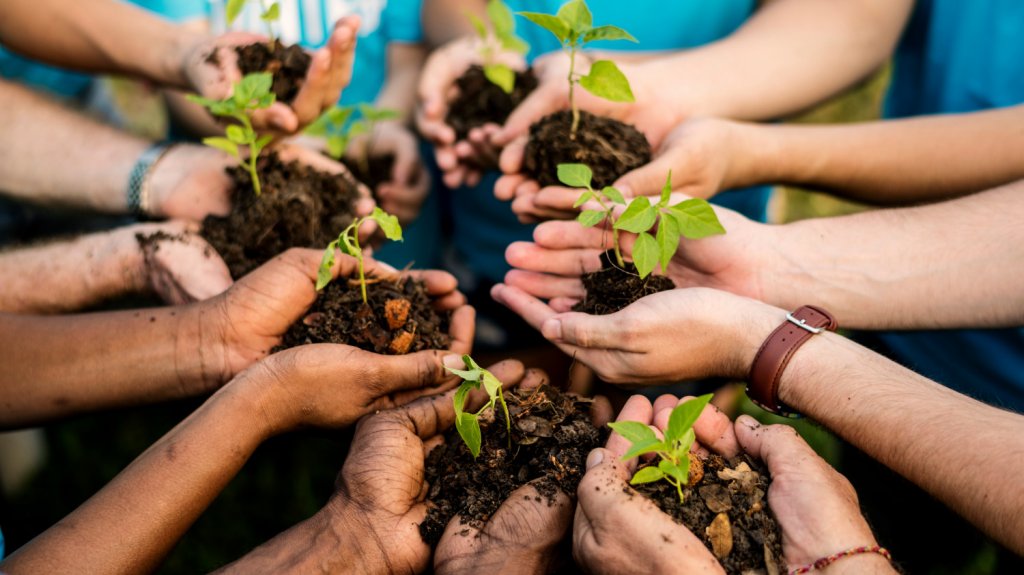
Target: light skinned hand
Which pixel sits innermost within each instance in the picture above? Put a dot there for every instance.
(179, 265)
(211, 66)
(404, 193)
(618, 531)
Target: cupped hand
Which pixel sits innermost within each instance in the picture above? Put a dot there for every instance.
(406, 189)
(211, 68)
(617, 530)
(178, 264)
(380, 497)
(190, 183)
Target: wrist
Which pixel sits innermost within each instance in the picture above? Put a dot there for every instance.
(200, 346)
(187, 52)
(867, 563)
(754, 323)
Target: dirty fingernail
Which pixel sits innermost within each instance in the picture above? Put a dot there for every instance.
(552, 329)
(595, 458)
(453, 361)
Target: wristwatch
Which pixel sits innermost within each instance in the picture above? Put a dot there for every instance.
(778, 349)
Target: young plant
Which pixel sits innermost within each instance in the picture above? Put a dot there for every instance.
(503, 35)
(250, 93)
(268, 14)
(468, 423)
(674, 450)
(692, 218)
(573, 26)
(348, 242)
(338, 127)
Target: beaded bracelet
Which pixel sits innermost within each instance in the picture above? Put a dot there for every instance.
(138, 179)
(830, 559)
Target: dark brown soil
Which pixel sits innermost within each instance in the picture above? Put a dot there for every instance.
(398, 319)
(551, 437)
(288, 64)
(609, 147)
(613, 288)
(299, 207)
(372, 173)
(735, 489)
(479, 101)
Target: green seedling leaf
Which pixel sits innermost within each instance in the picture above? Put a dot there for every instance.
(478, 25)
(683, 445)
(232, 9)
(614, 195)
(666, 191)
(585, 197)
(640, 448)
(668, 240)
(677, 472)
(336, 147)
(501, 18)
(222, 144)
(552, 24)
(639, 216)
(575, 175)
(590, 218)
(204, 102)
(633, 431)
(696, 218)
(501, 76)
(378, 114)
(607, 33)
(605, 80)
(272, 13)
(514, 43)
(577, 16)
(684, 416)
(645, 254)
(647, 475)
(323, 275)
(468, 426)
(388, 223)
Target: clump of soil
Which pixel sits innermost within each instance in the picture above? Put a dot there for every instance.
(373, 172)
(551, 437)
(726, 507)
(609, 147)
(398, 319)
(612, 287)
(288, 64)
(480, 101)
(300, 207)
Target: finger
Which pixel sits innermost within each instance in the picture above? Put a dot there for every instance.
(392, 373)
(585, 330)
(473, 178)
(775, 445)
(278, 116)
(531, 309)
(569, 235)
(534, 378)
(464, 150)
(446, 158)
(505, 186)
(601, 411)
(462, 328)
(637, 408)
(647, 180)
(564, 262)
(342, 45)
(541, 102)
(557, 198)
(309, 102)
(455, 177)
(436, 282)
(715, 431)
(511, 159)
(663, 406)
(545, 286)
(433, 130)
(526, 206)
(427, 416)
(563, 304)
(406, 160)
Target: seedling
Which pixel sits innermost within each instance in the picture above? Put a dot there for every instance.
(502, 34)
(338, 127)
(467, 423)
(692, 218)
(268, 14)
(250, 93)
(573, 26)
(348, 242)
(674, 450)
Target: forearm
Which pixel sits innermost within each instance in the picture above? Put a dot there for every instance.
(399, 91)
(892, 162)
(445, 20)
(55, 367)
(53, 156)
(763, 71)
(130, 525)
(98, 36)
(948, 265)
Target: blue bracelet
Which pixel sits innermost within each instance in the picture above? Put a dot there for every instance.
(138, 190)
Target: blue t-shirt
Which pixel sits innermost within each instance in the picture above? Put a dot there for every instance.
(958, 56)
(485, 226)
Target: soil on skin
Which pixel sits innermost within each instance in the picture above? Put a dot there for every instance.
(374, 172)
(399, 318)
(551, 437)
(299, 207)
(727, 509)
(480, 101)
(612, 288)
(609, 147)
(288, 64)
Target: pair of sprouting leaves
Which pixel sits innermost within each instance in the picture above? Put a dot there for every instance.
(468, 423)
(674, 450)
(268, 14)
(348, 242)
(691, 218)
(503, 27)
(338, 125)
(573, 25)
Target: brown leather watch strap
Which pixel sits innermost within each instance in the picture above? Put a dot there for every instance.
(778, 349)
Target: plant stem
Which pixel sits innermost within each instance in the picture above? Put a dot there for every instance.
(359, 257)
(615, 244)
(270, 28)
(254, 176)
(572, 95)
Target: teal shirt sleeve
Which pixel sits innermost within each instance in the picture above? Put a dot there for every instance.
(402, 21)
(175, 10)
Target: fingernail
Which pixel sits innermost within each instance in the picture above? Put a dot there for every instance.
(552, 329)
(595, 458)
(496, 290)
(748, 422)
(453, 362)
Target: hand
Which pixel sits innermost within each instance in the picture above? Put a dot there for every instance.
(190, 183)
(618, 531)
(211, 67)
(403, 194)
(671, 336)
(251, 318)
(437, 88)
(741, 261)
(178, 264)
(379, 502)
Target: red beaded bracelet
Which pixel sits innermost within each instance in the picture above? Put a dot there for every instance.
(830, 559)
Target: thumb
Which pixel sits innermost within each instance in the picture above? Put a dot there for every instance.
(773, 444)
(541, 102)
(583, 330)
(647, 180)
(401, 372)
(406, 158)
